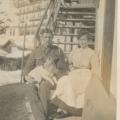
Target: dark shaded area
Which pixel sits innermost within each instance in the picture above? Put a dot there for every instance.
(13, 102)
(33, 0)
(11, 64)
(99, 105)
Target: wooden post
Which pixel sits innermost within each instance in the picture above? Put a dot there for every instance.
(23, 53)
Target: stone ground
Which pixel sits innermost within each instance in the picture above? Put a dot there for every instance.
(15, 106)
(11, 103)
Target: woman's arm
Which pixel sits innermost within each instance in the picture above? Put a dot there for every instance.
(95, 65)
(30, 79)
(48, 78)
(70, 61)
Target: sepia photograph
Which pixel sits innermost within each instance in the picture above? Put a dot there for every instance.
(58, 59)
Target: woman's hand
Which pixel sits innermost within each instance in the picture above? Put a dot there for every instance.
(29, 79)
(71, 67)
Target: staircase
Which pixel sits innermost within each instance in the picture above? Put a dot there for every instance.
(67, 23)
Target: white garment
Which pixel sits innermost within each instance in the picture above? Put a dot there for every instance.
(71, 88)
(39, 73)
(81, 57)
(64, 91)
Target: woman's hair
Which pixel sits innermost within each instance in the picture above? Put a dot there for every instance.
(84, 33)
(52, 64)
(42, 31)
(51, 60)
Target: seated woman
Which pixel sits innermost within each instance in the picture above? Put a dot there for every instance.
(71, 88)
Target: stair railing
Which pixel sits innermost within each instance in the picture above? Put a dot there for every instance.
(52, 12)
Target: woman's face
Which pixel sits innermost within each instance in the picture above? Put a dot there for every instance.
(46, 40)
(50, 66)
(83, 41)
(48, 62)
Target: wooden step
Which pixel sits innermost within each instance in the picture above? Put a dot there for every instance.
(76, 27)
(77, 9)
(76, 20)
(69, 35)
(79, 6)
(71, 43)
(77, 13)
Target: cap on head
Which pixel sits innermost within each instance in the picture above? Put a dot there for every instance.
(84, 33)
(46, 30)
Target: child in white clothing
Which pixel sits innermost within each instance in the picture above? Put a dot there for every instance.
(44, 72)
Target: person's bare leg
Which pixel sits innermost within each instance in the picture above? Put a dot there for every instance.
(71, 110)
(44, 94)
(62, 2)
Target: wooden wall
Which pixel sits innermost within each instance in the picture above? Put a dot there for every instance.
(108, 37)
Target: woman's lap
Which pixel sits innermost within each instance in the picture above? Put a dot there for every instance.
(71, 88)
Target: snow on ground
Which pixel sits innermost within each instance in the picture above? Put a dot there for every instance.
(3, 53)
(10, 77)
(3, 40)
(29, 42)
(17, 54)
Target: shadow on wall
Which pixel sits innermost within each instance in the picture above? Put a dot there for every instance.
(98, 104)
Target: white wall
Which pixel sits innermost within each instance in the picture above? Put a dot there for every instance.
(100, 27)
(118, 59)
(114, 61)
(99, 43)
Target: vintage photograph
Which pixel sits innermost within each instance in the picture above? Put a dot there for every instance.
(58, 60)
